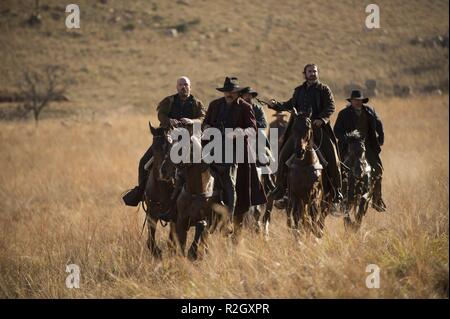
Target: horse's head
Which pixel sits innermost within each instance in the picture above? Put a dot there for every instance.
(356, 150)
(302, 132)
(168, 167)
(162, 143)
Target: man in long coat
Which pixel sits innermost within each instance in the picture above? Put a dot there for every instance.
(230, 111)
(360, 116)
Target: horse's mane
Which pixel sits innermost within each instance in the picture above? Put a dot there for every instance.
(159, 131)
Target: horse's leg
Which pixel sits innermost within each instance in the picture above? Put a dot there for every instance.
(200, 227)
(237, 225)
(257, 215)
(289, 213)
(362, 208)
(203, 246)
(306, 219)
(297, 216)
(204, 242)
(267, 215)
(316, 218)
(172, 244)
(151, 240)
(181, 227)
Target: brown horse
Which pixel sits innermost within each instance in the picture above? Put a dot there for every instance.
(158, 189)
(305, 186)
(195, 206)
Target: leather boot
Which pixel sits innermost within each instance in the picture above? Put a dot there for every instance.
(134, 196)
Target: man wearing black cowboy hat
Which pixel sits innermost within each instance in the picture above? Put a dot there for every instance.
(317, 98)
(249, 95)
(180, 108)
(231, 111)
(359, 116)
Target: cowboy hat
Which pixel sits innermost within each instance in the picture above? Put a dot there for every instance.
(358, 95)
(231, 84)
(249, 90)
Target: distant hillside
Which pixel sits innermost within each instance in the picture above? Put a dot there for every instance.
(125, 56)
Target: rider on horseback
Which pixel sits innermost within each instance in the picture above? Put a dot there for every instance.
(180, 108)
(359, 116)
(317, 97)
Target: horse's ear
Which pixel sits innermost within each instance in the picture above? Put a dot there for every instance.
(152, 129)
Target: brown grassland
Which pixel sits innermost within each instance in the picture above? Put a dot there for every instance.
(60, 183)
(60, 194)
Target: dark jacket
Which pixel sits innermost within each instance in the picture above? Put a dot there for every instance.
(260, 117)
(347, 121)
(322, 107)
(240, 115)
(249, 189)
(165, 106)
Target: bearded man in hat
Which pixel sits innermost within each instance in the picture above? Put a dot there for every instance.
(360, 116)
(181, 108)
(317, 98)
(231, 111)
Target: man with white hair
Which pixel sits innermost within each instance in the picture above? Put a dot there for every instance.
(180, 108)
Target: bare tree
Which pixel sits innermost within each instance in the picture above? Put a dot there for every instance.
(38, 88)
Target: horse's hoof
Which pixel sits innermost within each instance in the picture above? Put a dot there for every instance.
(235, 239)
(156, 251)
(348, 223)
(192, 255)
(335, 211)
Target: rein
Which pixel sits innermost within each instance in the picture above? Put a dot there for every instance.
(321, 139)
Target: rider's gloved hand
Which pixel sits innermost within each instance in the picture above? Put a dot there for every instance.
(274, 105)
(318, 123)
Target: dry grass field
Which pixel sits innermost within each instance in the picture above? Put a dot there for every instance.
(61, 183)
(60, 194)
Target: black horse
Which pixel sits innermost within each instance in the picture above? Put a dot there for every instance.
(158, 188)
(356, 181)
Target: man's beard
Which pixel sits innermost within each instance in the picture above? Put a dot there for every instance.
(229, 100)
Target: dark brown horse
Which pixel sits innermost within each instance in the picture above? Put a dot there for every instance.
(158, 189)
(195, 206)
(305, 187)
(356, 181)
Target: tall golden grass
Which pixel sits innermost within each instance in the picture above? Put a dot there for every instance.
(60, 189)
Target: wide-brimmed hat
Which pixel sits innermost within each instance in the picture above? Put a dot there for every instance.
(231, 84)
(249, 90)
(358, 95)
